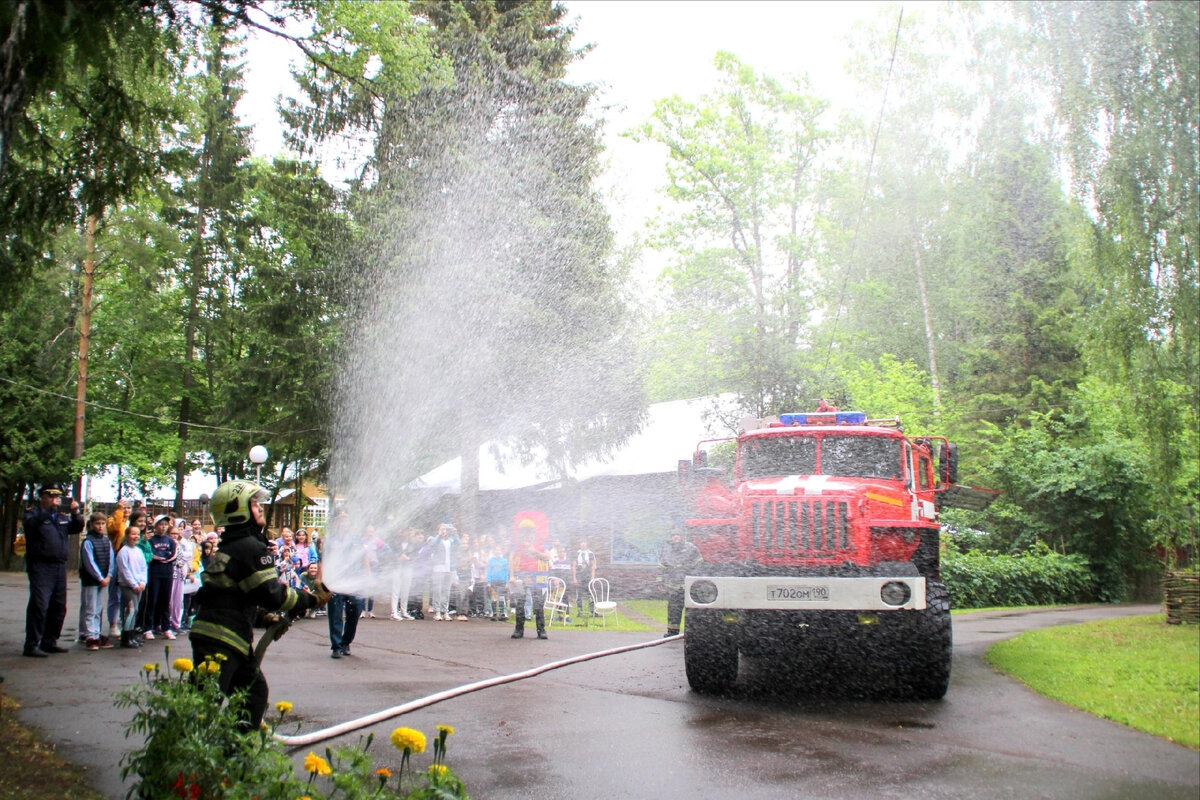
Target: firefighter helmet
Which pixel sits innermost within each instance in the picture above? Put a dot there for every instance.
(231, 502)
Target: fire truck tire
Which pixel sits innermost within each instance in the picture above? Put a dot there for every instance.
(930, 650)
(710, 653)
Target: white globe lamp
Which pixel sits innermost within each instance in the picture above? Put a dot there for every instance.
(258, 455)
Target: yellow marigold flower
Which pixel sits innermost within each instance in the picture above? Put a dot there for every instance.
(283, 706)
(446, 729)
(221, 657)
(212, 667)
(182, 665)
(148, 667)
(314, 763)
(438, 771)
(408, 739)
(383, 772)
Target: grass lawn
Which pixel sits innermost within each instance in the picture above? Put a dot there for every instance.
(619, 621)
(1137, 671)
(654, 609)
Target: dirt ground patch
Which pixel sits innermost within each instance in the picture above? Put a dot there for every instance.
(32, 768)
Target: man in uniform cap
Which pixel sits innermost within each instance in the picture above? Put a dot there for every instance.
(47, 531)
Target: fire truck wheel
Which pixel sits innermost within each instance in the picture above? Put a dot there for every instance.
(710, 653)
(931, 647)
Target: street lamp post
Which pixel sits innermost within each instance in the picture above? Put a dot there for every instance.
(258, 454)
(204, 498)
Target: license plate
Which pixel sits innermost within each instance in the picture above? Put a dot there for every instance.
(797, 593)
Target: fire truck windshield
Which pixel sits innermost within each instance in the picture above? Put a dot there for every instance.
(845, 456)
(779, 455)
(861, 457)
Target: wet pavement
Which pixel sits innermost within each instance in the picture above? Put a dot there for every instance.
(627, 726)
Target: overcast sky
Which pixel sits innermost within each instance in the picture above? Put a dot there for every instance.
(647, 51)
(644, 51)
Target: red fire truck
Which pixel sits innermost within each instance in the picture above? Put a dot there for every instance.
(823, 550)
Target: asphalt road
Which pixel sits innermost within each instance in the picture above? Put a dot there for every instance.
(627, 726)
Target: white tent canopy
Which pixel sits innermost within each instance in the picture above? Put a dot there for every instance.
(670, 433)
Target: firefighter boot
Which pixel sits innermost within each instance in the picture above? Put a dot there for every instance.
(540, 618)
(519, 631)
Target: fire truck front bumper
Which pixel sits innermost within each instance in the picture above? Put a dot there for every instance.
(806, 593)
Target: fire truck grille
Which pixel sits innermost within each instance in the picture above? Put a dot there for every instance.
(804, 528)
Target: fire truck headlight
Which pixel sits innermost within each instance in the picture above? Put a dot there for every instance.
(703, 592)
(895, 593)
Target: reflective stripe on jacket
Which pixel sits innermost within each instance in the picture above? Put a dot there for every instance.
(239, 581)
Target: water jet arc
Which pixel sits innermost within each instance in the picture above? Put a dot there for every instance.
(303, 740)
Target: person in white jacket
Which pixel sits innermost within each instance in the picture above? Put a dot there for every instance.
(132, 575)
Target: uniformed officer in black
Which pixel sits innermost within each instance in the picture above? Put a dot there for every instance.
(47, 529)
(241, 583)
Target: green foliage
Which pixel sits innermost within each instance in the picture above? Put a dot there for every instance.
(1125, 76)
(136, 345)
(1080, 489)
(193, 748)
(1164, 429)
(1018, 346)
(191, 738)
(36, 371)
(889, 387)
(360, 53)
(740, 173)
(1039, 577)
(1056, 329)
(276, 336)
(85, 97)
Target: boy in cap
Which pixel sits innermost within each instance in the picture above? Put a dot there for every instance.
(162, 576)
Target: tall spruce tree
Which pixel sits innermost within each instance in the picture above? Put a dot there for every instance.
(486, 304)
(211, 209)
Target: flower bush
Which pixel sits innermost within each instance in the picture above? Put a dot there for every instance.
(193, 749)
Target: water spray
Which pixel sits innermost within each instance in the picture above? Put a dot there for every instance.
(304, 740)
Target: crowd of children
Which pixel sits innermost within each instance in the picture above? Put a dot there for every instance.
(143, 575)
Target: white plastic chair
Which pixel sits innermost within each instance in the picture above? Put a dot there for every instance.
(555, 604)
(598, 589)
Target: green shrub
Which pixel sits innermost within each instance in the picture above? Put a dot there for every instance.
(1039, 577)
(192, 748)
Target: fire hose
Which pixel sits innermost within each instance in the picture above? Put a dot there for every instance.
(306, 739)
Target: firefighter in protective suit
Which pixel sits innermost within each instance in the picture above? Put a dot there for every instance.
(240, 585)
